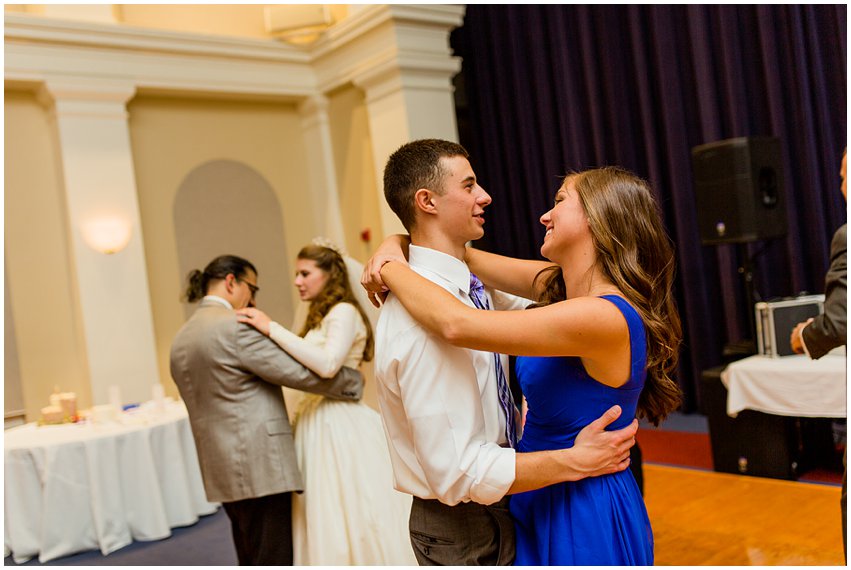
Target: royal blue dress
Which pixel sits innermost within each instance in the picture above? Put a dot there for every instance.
(598, 520)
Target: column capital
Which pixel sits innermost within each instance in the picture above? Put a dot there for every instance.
(70, 97)
(412, 39)
(391, 76)
(379, 81)
(313, 105)
(89, 90)
(314, 111)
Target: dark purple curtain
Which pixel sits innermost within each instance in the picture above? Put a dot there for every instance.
(545, 89)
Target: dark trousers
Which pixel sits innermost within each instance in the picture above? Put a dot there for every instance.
(262, 530)
(467, 534)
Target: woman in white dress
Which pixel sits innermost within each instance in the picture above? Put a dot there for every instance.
(349, 513)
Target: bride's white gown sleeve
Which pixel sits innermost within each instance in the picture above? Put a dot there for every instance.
(349, 512)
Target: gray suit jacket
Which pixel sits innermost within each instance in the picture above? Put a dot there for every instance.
(229, 375)
(827, 331)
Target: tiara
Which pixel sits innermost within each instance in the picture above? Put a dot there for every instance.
(325, 242)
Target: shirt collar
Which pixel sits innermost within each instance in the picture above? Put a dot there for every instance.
(219, 300)
(445, 266)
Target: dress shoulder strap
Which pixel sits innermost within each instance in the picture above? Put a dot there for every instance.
(637, 335)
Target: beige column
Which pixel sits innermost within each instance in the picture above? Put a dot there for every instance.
(406, 104)
(100, 195)
(323, 192)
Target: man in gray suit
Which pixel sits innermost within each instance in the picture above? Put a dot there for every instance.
(230, 377)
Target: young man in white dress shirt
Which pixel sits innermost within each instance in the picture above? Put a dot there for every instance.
(439, 404)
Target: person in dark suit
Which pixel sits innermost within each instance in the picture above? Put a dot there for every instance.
(818, 336)
(230, 376)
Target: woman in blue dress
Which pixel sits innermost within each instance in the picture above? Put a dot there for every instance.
(604, 331)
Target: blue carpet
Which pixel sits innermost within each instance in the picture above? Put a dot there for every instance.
(206, 543)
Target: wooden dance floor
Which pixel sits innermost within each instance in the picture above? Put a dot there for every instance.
(707, 518)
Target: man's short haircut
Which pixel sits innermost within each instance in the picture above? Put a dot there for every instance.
(413, 166)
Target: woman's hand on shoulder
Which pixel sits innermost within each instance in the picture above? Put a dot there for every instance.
(256, 318)
(394, 248)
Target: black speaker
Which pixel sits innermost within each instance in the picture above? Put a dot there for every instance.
(752, 443)
(763, 445)
(739, 188)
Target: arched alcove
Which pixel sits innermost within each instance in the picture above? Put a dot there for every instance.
(227, 207)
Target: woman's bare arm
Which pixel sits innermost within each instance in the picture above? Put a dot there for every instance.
(587, 326)
(394, 247)
(515, 276)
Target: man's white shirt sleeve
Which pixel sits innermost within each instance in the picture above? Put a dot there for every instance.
(439, 436)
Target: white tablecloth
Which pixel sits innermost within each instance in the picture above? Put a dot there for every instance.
(788, 386)
(73, 487)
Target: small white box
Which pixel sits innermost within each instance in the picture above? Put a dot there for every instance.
(776, 319)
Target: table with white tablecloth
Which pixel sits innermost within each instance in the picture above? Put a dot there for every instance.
(788, 386)
(75, 487)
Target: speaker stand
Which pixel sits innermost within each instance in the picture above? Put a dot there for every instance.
(747, 346)
(746, 271)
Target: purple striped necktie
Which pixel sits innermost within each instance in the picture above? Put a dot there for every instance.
(506, 401)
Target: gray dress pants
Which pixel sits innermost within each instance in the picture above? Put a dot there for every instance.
(467, 534)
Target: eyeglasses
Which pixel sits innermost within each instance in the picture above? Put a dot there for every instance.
(253, 288)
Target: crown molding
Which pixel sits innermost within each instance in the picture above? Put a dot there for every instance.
(412, 38)
(37, 49)
(374, 16)
(26, 28)
(372, 39)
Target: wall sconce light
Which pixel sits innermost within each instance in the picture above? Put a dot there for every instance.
(298, 23)
(107, 234)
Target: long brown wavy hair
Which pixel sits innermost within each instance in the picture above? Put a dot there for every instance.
(336, 290)
(637, 256)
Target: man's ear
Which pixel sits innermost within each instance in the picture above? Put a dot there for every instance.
(424, 201)
(230, 282)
